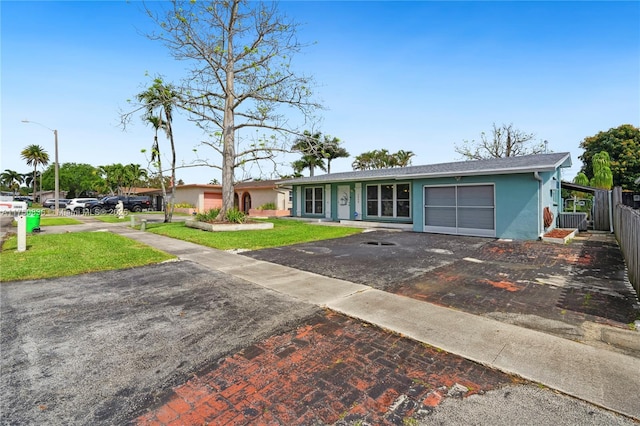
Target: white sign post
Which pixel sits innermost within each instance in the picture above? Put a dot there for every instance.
(22, 233)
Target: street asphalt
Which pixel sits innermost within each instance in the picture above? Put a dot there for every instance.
(106, 347)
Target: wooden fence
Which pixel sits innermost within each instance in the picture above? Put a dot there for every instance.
(601, 211)
(626, 225)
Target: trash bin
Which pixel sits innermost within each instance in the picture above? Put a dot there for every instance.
(33, 220)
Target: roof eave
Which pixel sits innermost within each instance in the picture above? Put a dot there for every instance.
(563, 162)
(511, 171)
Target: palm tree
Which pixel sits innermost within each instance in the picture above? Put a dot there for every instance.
(35, 156)
(134, 174)
(382, 159)
(315, 149)
(309, 145)
(28, 180)
(308, 162)
(114, 177)
(363, 161)
(158, 102)
(12, 180)
(331, 150)
(403, 158)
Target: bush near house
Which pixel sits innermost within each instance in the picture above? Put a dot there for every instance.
(184, 206)
(207, 216)
(268, 206)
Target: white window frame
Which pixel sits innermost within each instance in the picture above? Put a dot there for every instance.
(379, 200)
(313, 200)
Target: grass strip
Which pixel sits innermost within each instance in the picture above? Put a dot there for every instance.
(284, 232)
(59, 255)
(58, 221)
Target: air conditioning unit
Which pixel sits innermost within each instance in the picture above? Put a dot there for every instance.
(573, 221)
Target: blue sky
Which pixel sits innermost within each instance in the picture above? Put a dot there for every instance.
(419, 76)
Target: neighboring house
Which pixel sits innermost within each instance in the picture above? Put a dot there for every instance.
(44, 195)
(135, 190)
(250, 196)
(202, 196)
(514, 197)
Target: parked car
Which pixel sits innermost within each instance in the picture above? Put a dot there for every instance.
(76, 205)
(24, 198)
(108, 205)
(94, 207)
(131, 203)
(50, 203)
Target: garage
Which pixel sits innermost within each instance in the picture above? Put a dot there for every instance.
(460, 209)
(212, 200)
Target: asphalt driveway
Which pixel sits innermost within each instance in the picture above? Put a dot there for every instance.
(561, 289)
(182, 342)
(98, 348)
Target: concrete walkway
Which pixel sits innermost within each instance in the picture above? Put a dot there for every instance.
(605, 378)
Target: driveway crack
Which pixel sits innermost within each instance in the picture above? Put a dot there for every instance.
(498, 354)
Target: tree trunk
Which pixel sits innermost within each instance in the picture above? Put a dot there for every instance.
(169, 214)
(228, 123)
(35, 182)
(165, 203)
(228, 156)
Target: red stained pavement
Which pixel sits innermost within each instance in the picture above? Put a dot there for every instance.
(330, 369)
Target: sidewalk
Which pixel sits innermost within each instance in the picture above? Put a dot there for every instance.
(601, 377)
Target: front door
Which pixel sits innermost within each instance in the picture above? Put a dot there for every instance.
(344, 202)
(246, 203)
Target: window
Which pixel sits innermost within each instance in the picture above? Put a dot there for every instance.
(389, 200)
(313, 200)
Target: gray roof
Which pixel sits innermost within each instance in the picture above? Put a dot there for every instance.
(493, 166)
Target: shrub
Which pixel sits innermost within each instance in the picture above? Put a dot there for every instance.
(268, 206)
(236, 216)
(184, 206)
(208, 215)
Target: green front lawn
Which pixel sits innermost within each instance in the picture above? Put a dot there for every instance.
(285, 232)
(53, 221)
(57, 221)
(58, 255)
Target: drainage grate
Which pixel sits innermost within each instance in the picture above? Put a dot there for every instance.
(379, 243)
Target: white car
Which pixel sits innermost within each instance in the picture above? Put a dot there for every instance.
(76, 205)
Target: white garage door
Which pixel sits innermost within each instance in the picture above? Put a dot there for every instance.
(460, 209)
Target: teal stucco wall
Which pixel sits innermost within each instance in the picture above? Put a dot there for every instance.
(518, 205)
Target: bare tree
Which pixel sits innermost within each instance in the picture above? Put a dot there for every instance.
(240, 78)
(504, 141)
